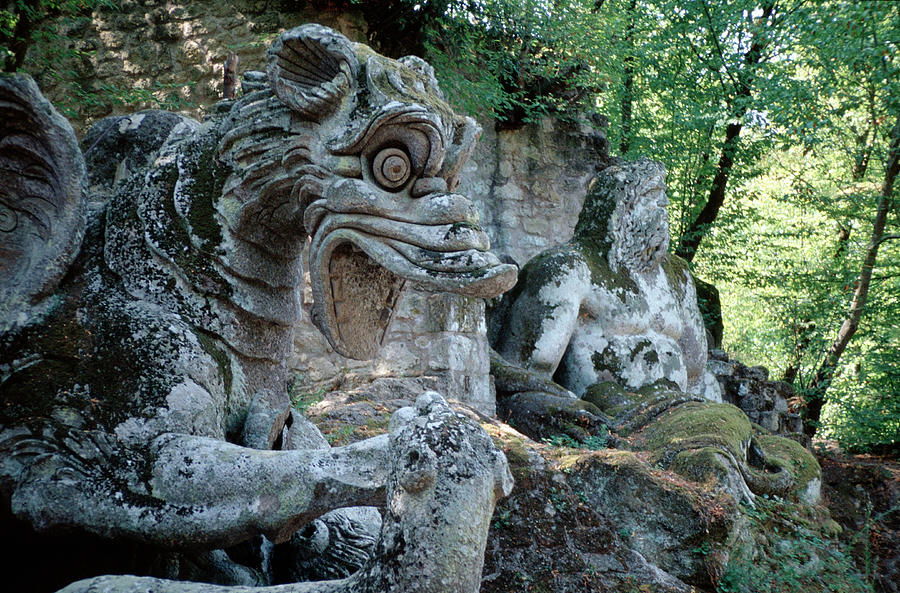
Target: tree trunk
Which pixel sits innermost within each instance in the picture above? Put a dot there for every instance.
(628, 83)
(816, 392)
(230, 76)
(19, 42)
(690, 240)
(866, 141)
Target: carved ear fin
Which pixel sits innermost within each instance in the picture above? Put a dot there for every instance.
(311, 69)
(42, 199)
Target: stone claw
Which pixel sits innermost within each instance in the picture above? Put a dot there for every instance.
(541, 415)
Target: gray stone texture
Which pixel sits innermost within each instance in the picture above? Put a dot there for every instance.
(174, 52)
(145, 393)
(433, 536)
(765, 402)
(530, 183)
(42, 202)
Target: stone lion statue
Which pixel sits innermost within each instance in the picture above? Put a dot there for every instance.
(148, 294)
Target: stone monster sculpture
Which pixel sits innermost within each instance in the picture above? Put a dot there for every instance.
(142, 369)
(614, 318)
(611, 305)
(434, 533)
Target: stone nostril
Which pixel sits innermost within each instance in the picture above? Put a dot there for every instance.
(428, 185)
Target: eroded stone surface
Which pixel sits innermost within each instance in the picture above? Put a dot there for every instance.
(617, 520)
(433, 535)
(42, 205)
(139, 406)
(764, 401)
(709, 442)
(610, 305)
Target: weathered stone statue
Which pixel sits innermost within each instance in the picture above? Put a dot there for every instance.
(614, 318)
(708, 442)
(444, 477)
(145, 320)
(611, 304)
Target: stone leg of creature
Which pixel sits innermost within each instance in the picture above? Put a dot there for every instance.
(445, 476)
(701, 440)
(540, 408)
(189, 488)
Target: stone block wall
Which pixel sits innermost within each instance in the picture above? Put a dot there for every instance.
(148, 53)
(765, 402)
(529, 184)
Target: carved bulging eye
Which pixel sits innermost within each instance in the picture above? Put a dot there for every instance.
(391, 168)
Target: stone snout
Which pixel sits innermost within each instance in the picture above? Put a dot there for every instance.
(367, 242)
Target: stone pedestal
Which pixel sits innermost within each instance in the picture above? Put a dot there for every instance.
(437, 335)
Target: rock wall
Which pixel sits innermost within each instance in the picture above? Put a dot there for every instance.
(530, 183)
(144, 53)
(764, 402)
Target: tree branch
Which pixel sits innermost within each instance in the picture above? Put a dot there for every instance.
(818, 388)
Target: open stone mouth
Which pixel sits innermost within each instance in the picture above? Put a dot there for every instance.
(359, 265)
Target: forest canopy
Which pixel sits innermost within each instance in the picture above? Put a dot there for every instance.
(778, 122)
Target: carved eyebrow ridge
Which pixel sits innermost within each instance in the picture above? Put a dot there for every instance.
(410, 115)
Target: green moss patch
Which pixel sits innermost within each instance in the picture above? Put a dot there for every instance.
(701, 465)
(790, 547)
(695, 425)
(792, 456)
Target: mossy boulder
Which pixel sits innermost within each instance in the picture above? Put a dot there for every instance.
(798, 462)
(716, 444)
(599, 521)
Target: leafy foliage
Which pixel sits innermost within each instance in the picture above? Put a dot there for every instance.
(795, 551)
(25, 22)
(592, 443)
(515, 60)
(788, 260)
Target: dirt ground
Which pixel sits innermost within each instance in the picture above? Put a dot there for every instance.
(863, 494)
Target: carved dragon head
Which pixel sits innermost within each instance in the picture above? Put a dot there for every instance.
(363, 154)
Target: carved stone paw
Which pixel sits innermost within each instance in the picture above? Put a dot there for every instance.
(541, 415)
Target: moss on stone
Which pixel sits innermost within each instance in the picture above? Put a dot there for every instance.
(609, 397)
(612, 399)
(789, 546)
(701, 465)
(651, 356)
(695, 425)
(543, 270)
(619, 283)
(167, 231)
(221, 358)
(208, 179)
(606, 362)
(792, 456)
(658, 388)
(515, 450)
(676, 270)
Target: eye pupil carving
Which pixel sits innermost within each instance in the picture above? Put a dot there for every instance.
(391, 168)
